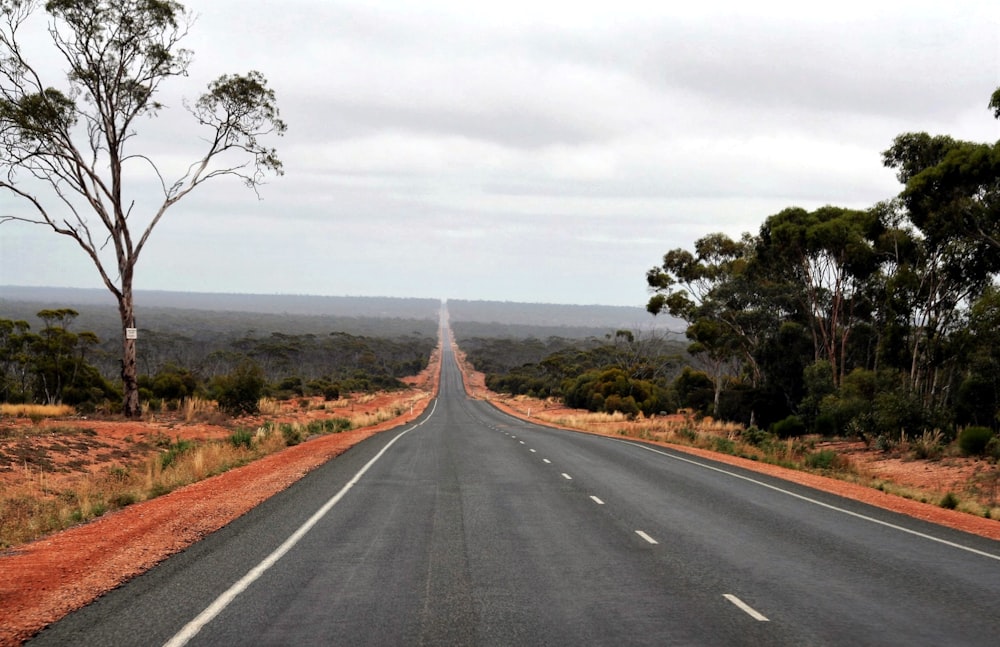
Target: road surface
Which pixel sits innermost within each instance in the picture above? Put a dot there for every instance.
(469, 527)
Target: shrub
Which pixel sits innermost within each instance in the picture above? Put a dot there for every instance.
(950, 501)
(239, 392)
(993, 448)
(724, 445)
(825, 459)
(292, 434)
(755, 436)
(790, 427)
(974, 440)
(241, 438)
(337, 425)
(174, 450)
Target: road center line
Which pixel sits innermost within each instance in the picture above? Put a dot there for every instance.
(596, 500)
(646, 537)
(829, 506)
(567, 476)
(191, 629)
(746, 608)
(545, 460)
(532, 451)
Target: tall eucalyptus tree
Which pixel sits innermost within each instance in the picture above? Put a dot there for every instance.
(70, 152)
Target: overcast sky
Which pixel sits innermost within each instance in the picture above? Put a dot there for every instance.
(536, 151)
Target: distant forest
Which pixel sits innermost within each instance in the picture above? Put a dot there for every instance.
(59, 344)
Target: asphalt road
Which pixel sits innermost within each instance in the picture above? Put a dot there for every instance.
(470, 527)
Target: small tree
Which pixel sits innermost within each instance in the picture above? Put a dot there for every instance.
(239, 393)
(67, 151)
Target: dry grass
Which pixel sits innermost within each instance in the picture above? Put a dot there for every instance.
(36, 411)
(269, 407)
(195, 409)
(32, 509)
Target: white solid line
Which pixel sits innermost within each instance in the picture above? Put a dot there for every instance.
(750, 611)
(646, 537)
(857, 515)
(545, 460)
(191, 629)
(567, 476)
(596, 500)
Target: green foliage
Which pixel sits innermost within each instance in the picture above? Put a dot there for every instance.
(949, 501)
(621, 374)
(790, 427)
(973, 441)
(242, 438)
(173, 450)
(612, 390)
(173, 382)
(756, 437)
(51, 366)
(291, 433)
(694, 390)
(336, 425)
(825, 459)
(239, 393)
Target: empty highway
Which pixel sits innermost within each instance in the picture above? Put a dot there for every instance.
(469, 527)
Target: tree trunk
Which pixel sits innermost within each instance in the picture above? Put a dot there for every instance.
(130, 381)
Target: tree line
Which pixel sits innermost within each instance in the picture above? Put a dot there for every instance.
(884, 320)
(53, 363)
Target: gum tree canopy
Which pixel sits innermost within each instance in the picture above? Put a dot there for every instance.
(69, 149)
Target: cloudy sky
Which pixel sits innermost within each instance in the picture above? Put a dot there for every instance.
(536, 151)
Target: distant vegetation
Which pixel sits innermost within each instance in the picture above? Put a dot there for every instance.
(49, 357)
(619, 372)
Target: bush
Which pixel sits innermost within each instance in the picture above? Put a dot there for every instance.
(974, 440)
(174, 450)
(950, 501)
(292, 434)
(825, 459)
(336, 425)
(756, 437)
(790, 427)
(239, 392)
(241, 438)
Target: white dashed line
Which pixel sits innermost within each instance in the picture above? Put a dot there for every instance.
(545, 460)
(746, 608)
(521, 441)
(532, 451)
(646, 537)
(596, 500)
(567, 476)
